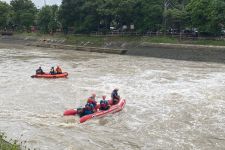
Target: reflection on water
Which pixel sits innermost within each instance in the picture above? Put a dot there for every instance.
(171, 104)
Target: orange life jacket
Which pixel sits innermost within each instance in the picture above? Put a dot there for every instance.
(58, 70)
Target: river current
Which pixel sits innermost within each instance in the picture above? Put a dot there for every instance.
(171, 104)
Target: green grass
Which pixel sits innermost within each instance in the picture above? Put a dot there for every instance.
(161, 39)
(102, 40)
(4, 145)
(209, 42)
(84, 40)
(40, 35)
(98, 41)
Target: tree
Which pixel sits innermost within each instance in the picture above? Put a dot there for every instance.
(217, 16)
(24, 13)
(54, 24)
(5, 10)
(43, 19)
(70, 13)
(146, 15)
(90, 16)
(208, 16)
(149, 15)
(176, 18)
(47, 19)
(126, 12)
(107, 12)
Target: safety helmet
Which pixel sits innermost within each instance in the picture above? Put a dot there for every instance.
(93, 94)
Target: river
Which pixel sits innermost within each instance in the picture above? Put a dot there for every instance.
(171, 104)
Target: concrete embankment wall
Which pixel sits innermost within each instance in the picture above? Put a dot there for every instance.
(159, 50)
(180, 52)
(59, 44)
(79, 48)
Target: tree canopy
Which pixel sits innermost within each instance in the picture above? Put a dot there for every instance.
(85, 16)
(47, 19)
(24, 13)
(5, 11)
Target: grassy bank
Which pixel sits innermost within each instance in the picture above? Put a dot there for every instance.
(99, 41)
(4, 145)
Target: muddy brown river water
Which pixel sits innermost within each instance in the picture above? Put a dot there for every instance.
(171, 104)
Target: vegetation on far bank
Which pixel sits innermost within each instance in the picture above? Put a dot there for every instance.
(99, 41)
(85, 16)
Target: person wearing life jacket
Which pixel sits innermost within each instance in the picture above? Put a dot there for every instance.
(104, 104)
(115, 96)
(88, 109)
(58, 70)
(80, 111)
(39, 71)
(92, 100)
(52, 71)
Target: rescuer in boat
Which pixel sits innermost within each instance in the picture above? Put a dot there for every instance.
(88, 109)
(58, 70)
(104, 104)
(92, 100)
(81, 111)
(52, 71)
(115, 97)
(39, 71)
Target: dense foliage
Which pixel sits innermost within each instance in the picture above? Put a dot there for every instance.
(47, 19)
(85, 16)
(23, 13)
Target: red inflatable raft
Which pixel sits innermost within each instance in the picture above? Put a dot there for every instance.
(99, 113)
(47, 75)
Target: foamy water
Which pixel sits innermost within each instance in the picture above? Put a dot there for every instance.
(171, 104)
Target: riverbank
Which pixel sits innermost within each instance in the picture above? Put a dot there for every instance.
(4, 145)
(160, 47)
(78, 48)
(104, 40)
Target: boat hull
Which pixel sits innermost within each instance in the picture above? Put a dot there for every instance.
(99, 113)
(63, 75)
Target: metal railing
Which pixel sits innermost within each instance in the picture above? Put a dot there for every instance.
(181, 35)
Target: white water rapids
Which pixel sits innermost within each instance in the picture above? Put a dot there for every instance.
(171, 104)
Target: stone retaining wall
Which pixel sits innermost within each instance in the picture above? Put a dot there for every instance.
(79, 48)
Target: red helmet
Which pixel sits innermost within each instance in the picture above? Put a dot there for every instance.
(89, 99)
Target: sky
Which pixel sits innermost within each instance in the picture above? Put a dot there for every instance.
(40, 3)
